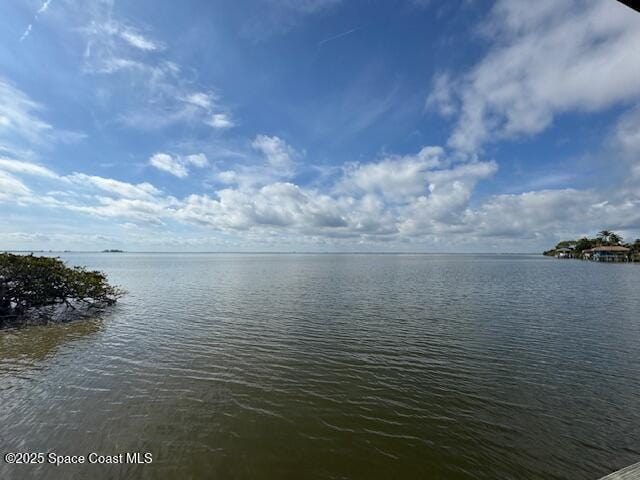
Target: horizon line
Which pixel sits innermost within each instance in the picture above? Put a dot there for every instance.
(293, 252)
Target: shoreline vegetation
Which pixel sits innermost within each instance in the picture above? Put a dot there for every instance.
(36, 290)
(607, 246)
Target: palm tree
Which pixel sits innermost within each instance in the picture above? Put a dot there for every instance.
(615, 238)
(604, 235)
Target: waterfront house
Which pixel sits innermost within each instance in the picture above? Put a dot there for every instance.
(611, 253)
(564, 252)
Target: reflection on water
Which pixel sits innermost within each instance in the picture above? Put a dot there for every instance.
(337, 366)
(39, 342)
(24, 349)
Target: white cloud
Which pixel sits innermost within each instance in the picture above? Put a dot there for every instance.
(21, 127)
(177, 165)
(627, 133)
(546, 213)
(277, 16)
(447, 203)
(167, 163)
(394, 177)
(82, 181)
(27, 168)
(441, 97)
(137, 40)
(165, 93)
(11, 187)
(110, 37)
(141, 191)
(197, 160)
(136, 210)
(20, 122)
(201, 99)
(373, 201)
(427, 197)
(228, 177)
(546, 58)
(220, 121)
(275, 206)
(277, 162)
(278, 154)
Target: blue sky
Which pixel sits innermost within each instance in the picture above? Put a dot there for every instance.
(317, 125)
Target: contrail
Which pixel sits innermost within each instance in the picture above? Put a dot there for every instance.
(343, 34)
(26, 32)
(42, 9)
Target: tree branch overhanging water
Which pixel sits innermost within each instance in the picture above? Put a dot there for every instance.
(34, 288)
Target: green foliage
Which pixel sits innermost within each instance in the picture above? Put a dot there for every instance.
(30, 284)
(607, 237)
(615, 239)
(566, 244)
(585, 244)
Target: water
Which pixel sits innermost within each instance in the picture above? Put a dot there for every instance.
(335, 366)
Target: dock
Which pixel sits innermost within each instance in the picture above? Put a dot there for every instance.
(632, 472)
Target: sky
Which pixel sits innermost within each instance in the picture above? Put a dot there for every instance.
(317, 125)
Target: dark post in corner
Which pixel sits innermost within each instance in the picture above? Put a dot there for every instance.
(635, 4)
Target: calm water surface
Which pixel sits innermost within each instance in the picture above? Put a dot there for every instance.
(336, 366)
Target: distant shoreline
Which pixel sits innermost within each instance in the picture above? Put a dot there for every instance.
(271, 253)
